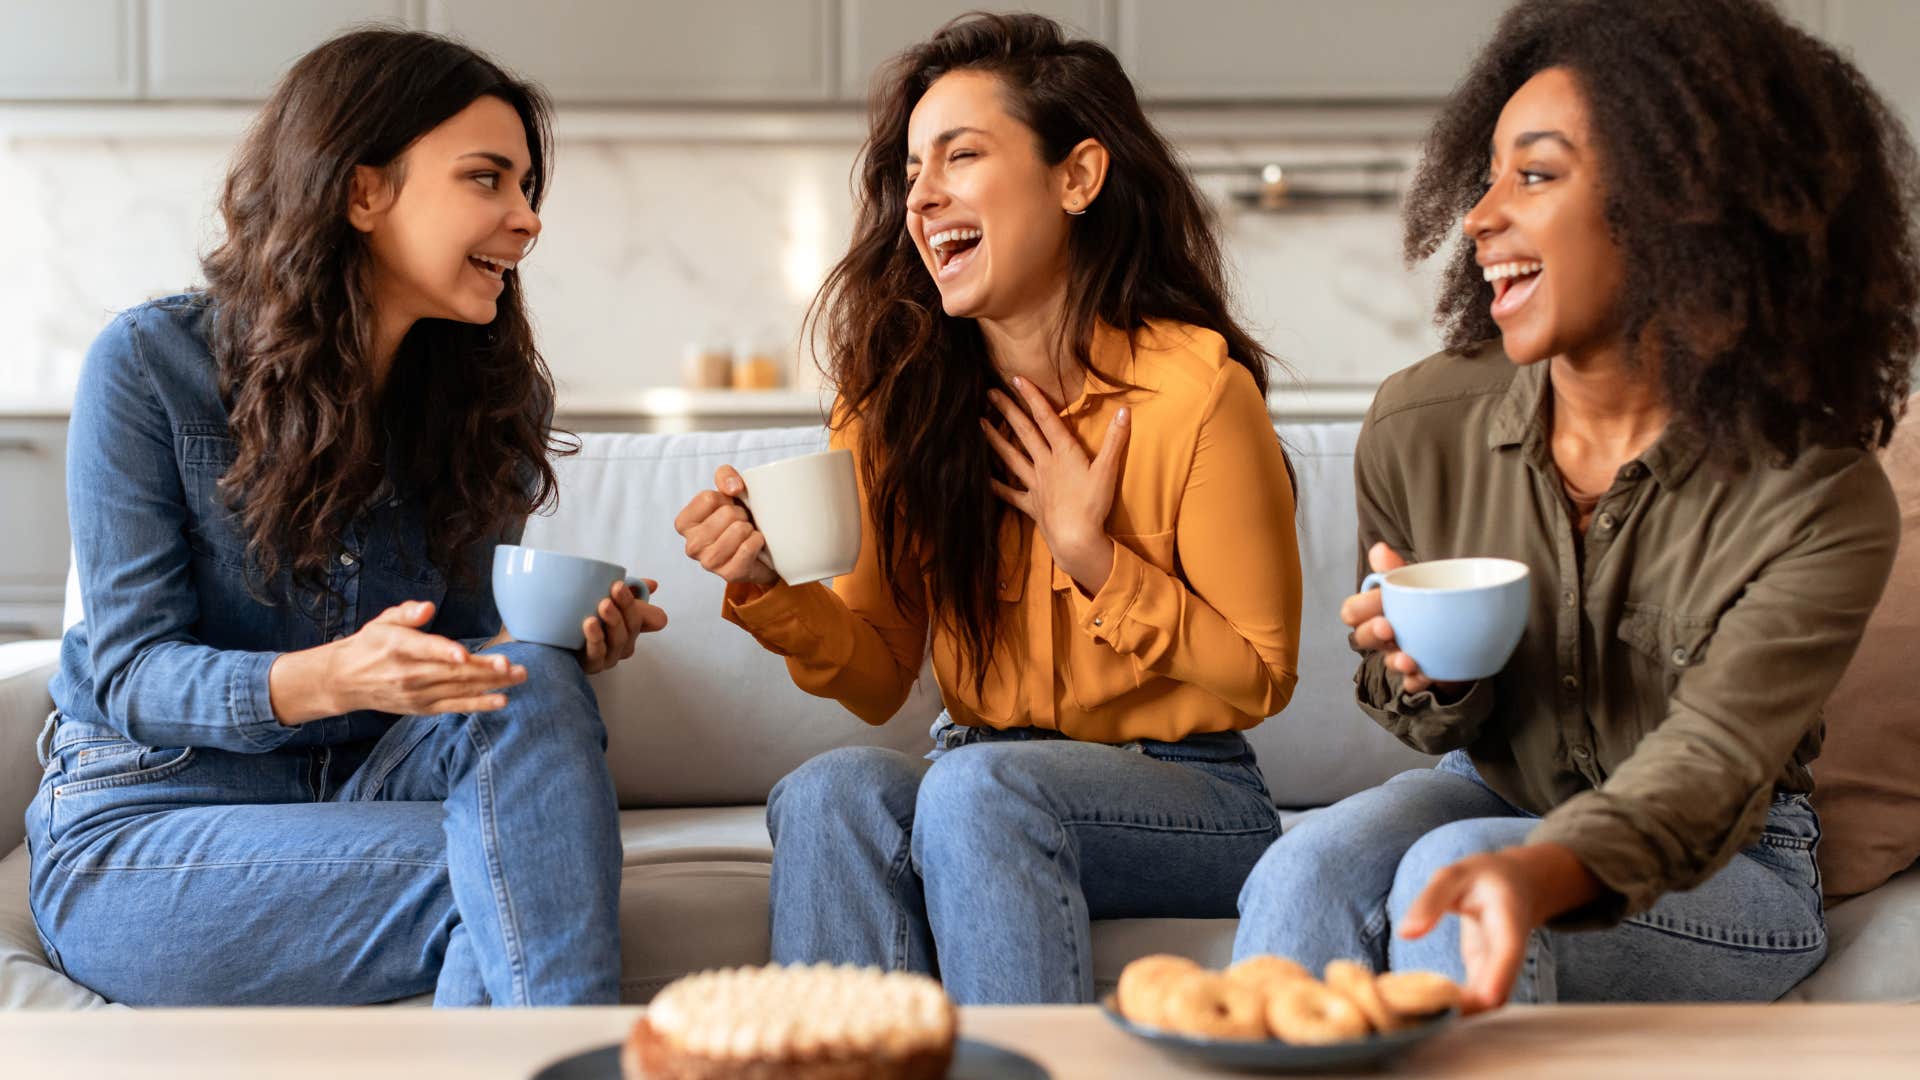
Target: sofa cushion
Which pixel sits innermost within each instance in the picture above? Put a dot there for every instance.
(26, 982)
(1866, 785)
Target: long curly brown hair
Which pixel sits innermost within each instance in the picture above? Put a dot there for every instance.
(465, 413)
(1760, 190)
(916, 379)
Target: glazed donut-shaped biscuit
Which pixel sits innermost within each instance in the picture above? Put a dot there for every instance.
(1145, 983)
(1356, 982)
(1215, 1007)
(1415, 994)
(1309, 1014)
(1267, 973)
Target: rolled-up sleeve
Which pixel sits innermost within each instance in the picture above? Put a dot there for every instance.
(1698, 787)
(1421, 720)
(152, 680)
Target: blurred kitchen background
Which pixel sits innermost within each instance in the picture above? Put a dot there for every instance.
(701, 183)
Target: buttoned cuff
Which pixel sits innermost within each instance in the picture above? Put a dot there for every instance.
(1103, 615)
(775, 615)
(250, 703)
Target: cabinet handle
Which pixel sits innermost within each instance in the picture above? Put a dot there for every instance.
(18, 446)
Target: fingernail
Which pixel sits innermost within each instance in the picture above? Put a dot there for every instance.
(1018, 381)
(1124, 414)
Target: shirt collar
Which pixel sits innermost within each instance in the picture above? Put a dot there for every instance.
(1521, 420)
(1112, 353)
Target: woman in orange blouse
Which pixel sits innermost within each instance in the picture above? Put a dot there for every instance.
(1072, 495)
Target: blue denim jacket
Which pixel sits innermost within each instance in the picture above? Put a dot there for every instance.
(174, 648)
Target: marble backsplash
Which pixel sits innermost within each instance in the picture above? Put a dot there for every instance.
(653, 242)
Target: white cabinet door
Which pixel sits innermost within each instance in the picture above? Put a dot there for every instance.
(1228, 50)
(81, 49)
(235, 50)
(872, 31)
(643, 51)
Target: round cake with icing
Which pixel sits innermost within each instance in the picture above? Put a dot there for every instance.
(812, 1023)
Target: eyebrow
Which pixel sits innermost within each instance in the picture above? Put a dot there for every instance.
(501, 160)
(944, 138)
(1528, 138)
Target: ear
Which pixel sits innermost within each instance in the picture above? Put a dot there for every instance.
(1082, 173)
(369, 198)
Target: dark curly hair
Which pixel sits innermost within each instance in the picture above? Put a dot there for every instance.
(1760, 191)
(917, 379)
(467, 407)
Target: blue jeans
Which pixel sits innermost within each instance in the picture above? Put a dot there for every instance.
(1339, 881)
(987, 866)
(473, 855)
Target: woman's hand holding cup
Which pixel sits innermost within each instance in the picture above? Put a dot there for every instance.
(721, 536)
(1371, 631)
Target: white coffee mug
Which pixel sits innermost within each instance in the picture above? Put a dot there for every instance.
(809, 510)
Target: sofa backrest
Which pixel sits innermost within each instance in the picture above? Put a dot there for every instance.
(703, 715)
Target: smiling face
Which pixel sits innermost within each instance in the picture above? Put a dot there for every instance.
(986, 211)
(1540, 233)
(458, 222)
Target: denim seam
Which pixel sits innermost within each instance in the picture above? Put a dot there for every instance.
(490, 845)
(902, 860)
(1795, 941)
(138, 776)
(1062, 889)
(1169, 828)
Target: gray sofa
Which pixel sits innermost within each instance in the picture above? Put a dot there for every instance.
(703, 722)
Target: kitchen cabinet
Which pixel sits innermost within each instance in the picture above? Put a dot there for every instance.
(655, 51)
(871, 31)
(1265, 50)
(235, 50)
(34, 538)
(75, 49)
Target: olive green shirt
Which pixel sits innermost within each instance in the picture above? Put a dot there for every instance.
(1676, 655)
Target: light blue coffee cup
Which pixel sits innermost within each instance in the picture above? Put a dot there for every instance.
(544, 596)
(1460, 619)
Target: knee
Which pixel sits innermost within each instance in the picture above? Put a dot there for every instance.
(555, 696)
(840, 783)
(986, 789)
(1303, 861)
(1441, 848)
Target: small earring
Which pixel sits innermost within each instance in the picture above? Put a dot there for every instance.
(1077, 213)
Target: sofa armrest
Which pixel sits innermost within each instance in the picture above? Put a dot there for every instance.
(25, 669)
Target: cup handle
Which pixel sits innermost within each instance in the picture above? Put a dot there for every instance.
(1372, 581)
(639, 589)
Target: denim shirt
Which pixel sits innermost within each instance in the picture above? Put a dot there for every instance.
(174, 648)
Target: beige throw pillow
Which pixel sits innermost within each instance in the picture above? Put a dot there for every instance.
(1867, 778)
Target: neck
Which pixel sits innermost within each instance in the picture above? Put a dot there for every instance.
(389, 330)
(1027, 344)
(1599, 400)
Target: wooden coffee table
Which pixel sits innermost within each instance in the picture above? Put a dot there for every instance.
(1617, 1042)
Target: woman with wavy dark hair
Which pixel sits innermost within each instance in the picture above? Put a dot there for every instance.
(294, 757)
(1071, 494)
(1680, 319)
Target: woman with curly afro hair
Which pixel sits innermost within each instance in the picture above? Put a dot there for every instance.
(1679, 319)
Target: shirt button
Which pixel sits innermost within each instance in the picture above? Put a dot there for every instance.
(1582, 753)
(1631, 470)
(1098, 621)
(1679, 658)
(1567, 598)
(336, 637)
(1570, 682)
(1605, 521)
(346, 558)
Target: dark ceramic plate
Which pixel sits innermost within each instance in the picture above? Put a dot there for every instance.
(1275, 1056)
(972, 1060)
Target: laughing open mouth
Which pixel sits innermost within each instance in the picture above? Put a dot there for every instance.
(953, 249)
(1513, 284)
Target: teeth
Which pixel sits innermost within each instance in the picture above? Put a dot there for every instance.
(1509, 269)
(951, 236)
(499, 265)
